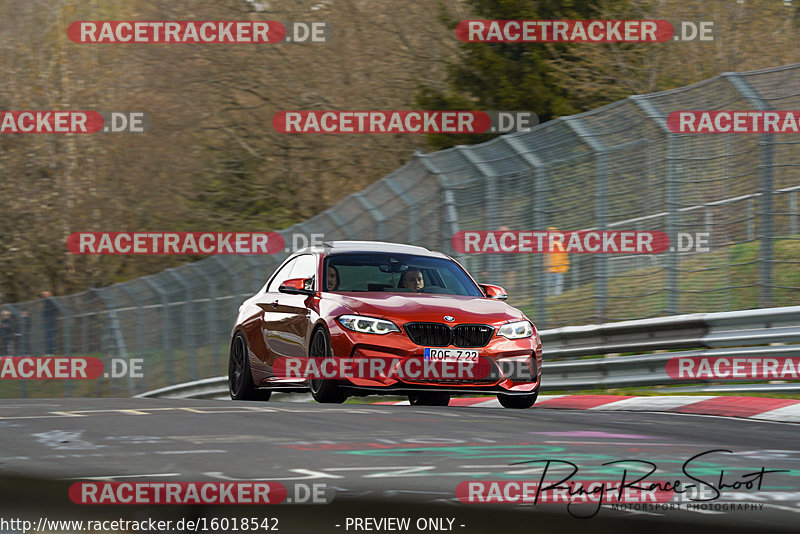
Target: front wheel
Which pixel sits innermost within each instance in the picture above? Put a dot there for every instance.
(324, 390)
(428, 399)
(518, 402)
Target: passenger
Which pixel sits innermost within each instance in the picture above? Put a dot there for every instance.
(412, 279)
(333, 278)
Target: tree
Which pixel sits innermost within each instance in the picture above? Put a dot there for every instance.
(503, 76)
(748, 35)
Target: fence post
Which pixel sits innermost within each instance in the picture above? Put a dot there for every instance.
(490, 195)
(235, 281)
(448, 202)
(600, 208)
(212, 319)
(341, 223)
(61, 327)
(17, 344)
(186, 345)
(375, 213)
(765, 227)
(673, 195)
(139, 328)
(413, 216)
(539, 179)
(170, 357)
(115, 335)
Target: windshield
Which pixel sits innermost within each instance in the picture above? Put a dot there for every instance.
(397, 273)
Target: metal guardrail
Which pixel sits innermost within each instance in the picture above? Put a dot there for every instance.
(696, 330)
(727, 334)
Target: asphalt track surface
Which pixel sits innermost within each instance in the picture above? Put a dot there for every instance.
(379, 460)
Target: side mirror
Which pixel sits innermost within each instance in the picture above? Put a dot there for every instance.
(298, 286)
(494, 292)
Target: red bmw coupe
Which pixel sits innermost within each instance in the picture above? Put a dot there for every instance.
(358, 318)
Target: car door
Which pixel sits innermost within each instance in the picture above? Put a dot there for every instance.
(286, 325)
(262, 305)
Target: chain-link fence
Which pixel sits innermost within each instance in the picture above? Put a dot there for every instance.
(617, 167)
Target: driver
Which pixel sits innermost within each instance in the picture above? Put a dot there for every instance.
(412, 279)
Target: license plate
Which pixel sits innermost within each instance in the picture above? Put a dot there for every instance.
(451, 355)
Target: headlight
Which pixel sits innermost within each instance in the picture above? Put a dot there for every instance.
(367, 325)
(518, 330)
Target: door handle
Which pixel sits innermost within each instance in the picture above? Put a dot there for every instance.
(268, 306)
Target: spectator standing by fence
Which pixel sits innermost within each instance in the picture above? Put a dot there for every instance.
(556, 263)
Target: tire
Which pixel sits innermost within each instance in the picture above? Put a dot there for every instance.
(240, 378)
(429, 399)
(324, 391)
(517, 402)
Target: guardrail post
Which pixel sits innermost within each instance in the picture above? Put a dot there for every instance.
(765, 227)
(793, 213)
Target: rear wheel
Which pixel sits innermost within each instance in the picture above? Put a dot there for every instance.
(517, 401)
(240, 379)
(428, 399)
(324, 390)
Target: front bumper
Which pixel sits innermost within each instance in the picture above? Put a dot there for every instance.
(503, 377)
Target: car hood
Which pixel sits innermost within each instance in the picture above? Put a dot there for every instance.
(429, 307)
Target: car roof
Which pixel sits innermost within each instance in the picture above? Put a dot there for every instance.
(339, 247)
